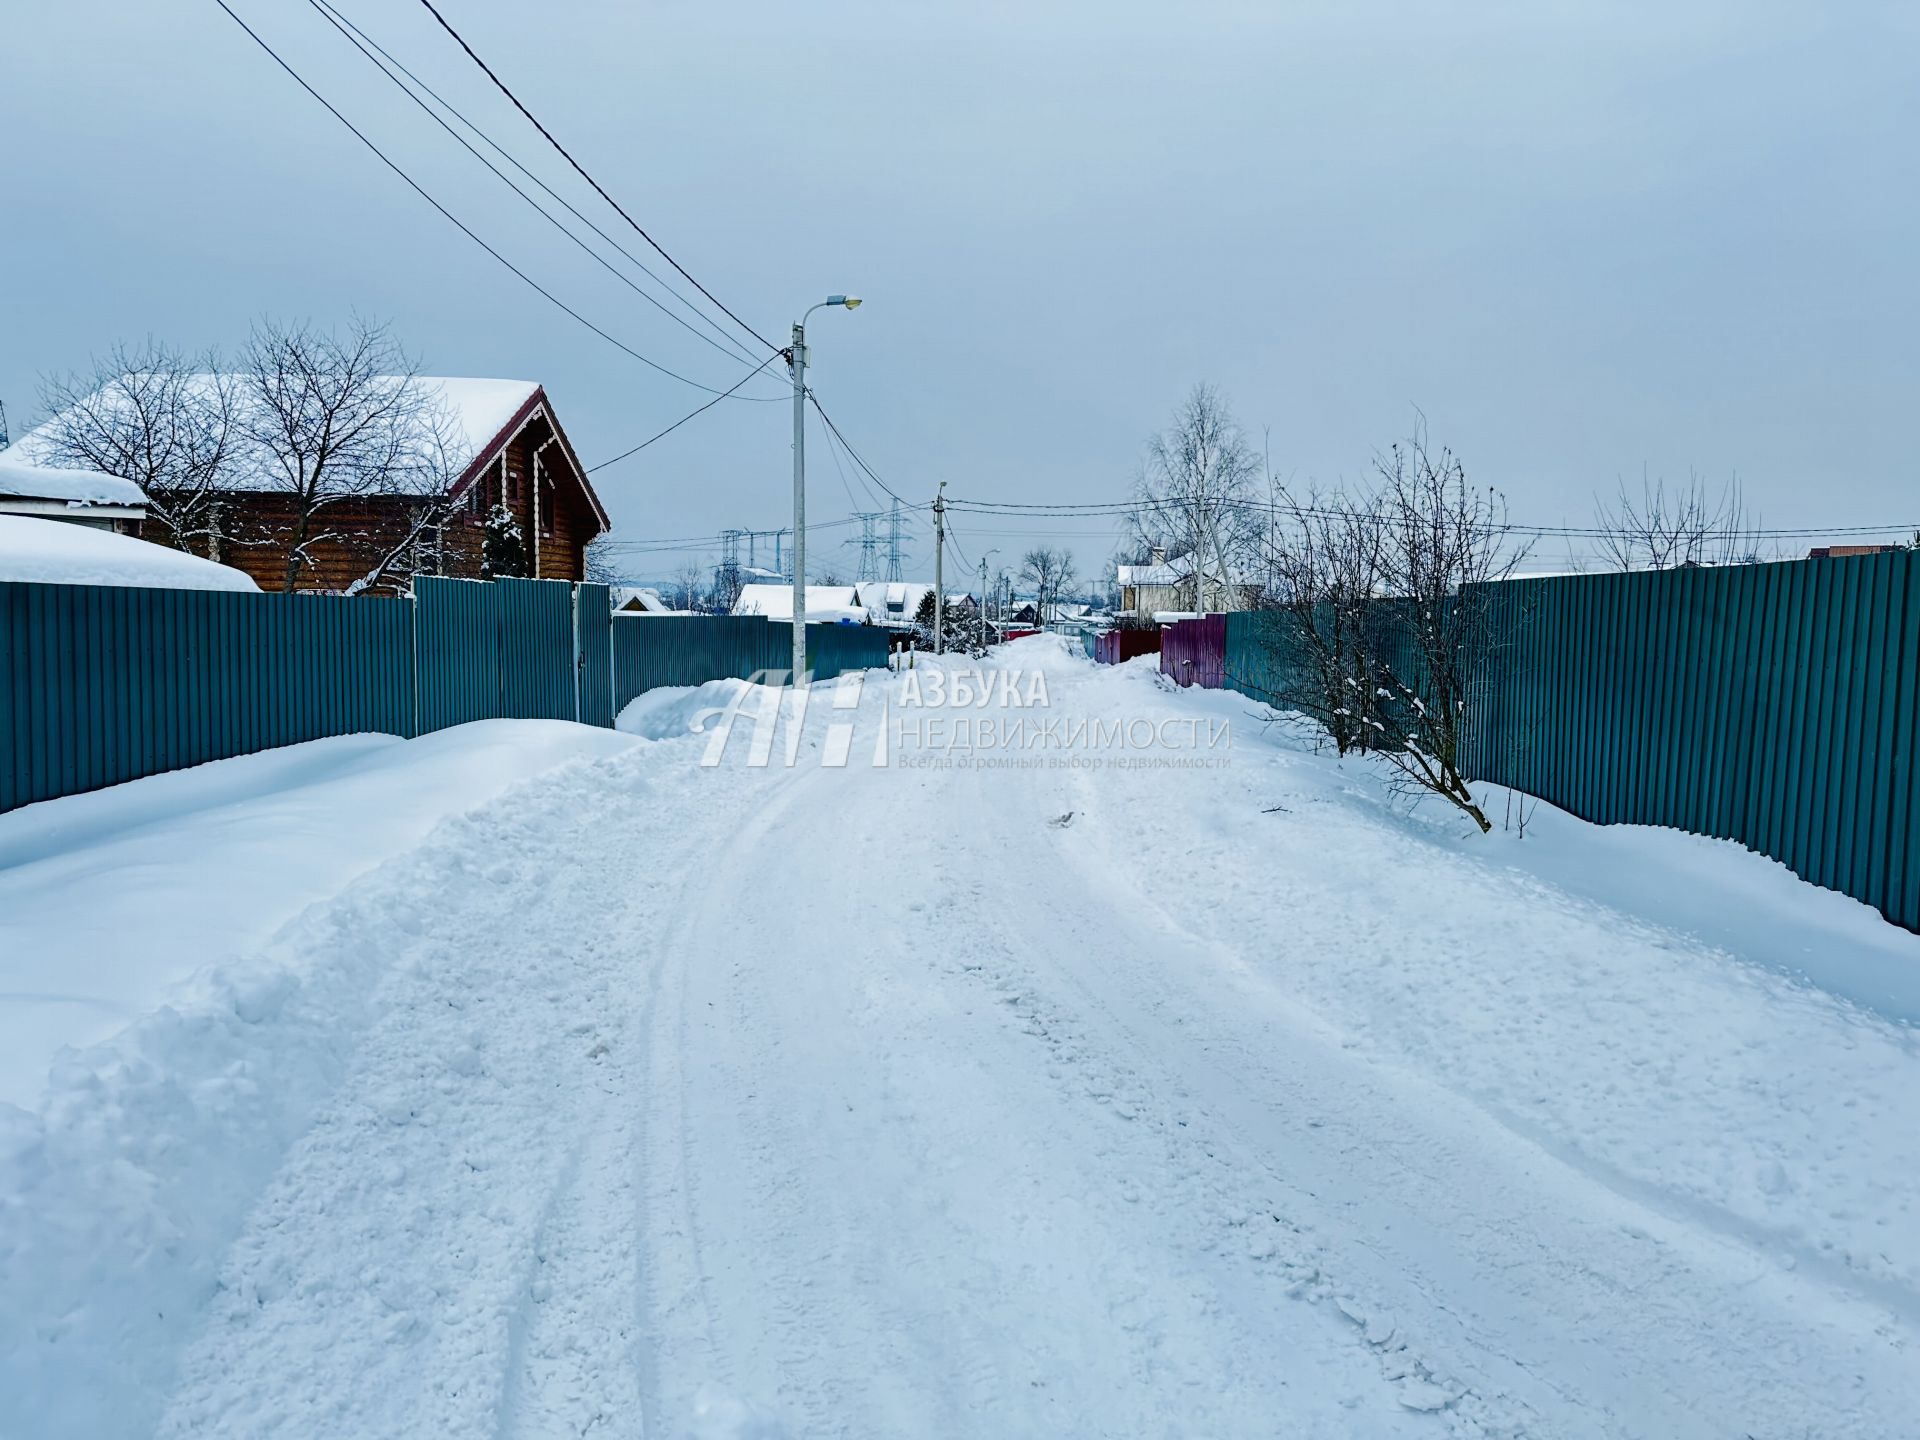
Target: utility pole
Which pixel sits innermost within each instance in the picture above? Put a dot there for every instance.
(939, 569)
(980, 610)
(982, 602)
(799, 499)
(799, 359)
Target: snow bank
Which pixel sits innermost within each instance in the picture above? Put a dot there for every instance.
(167, 899)
(111, 902)
(674, 710)
(77, 487)
(54, 552)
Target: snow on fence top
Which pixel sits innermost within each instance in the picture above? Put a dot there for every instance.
(53, 552)
(22, 479)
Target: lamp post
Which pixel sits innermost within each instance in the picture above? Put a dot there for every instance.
(983, 598)
(850, 302)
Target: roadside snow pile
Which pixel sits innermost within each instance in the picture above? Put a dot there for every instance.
(674, 710)
(109, 901)
(56, 552)
(156, 914)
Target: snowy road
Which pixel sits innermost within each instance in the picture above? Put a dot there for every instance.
(669, 1100)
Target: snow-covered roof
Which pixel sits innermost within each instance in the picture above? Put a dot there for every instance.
(478, 409)
(824, 602)
(55, 552)
(477, 413)
(21, 479)
(642, 600)
(897, 600)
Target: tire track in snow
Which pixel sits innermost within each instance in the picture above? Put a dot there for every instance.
(450, 1249)
(747, 1326)
(1203, 1179)
(901, 1229)
(1520, 1274)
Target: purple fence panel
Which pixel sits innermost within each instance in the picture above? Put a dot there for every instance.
(1194, 652)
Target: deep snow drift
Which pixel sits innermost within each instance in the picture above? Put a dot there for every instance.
(1174, 1088)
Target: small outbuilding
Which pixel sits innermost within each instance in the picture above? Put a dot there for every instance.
(75, 497)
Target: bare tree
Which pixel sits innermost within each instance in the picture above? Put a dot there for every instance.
(1670, 528)
(686, 586)
(601, 567)
(423, 491)
(1444, 545)
(1049, 572)
(1390, 617)
(1196, 494)
(157, 417)
(332, 419)
(1326, 560)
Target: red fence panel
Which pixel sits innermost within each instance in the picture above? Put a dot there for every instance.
(1113, 646)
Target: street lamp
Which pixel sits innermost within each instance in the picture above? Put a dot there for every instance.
(850, 302)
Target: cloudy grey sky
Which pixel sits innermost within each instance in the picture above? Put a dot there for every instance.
(1582, 238)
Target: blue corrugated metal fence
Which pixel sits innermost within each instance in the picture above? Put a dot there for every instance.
(651, 651)
(1777, 705)
(106, 683)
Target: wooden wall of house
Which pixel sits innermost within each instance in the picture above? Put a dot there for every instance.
(375, 524)
(559, 532)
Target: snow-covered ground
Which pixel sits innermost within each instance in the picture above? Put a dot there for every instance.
(943, 1098)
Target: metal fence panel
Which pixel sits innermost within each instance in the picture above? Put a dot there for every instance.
(1777, 705)
(651, 651)
(836, 649)
(593, 641)
(108, 683)
(456, 626)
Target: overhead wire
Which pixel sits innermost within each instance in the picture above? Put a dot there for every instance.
(698, 410)
(1120, 509)
(599, 189)
(382, 59)
(580, 170)
(455, 220)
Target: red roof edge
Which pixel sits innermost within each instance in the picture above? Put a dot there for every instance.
(490, 452)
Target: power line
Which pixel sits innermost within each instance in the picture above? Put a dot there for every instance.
(368, 47)
(814, 400)
(694, 541)
(1120, 509)
(684, 418)
(501, 85)
(461, 225)
(639, 230)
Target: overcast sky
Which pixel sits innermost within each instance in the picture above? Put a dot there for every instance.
(1583, 239)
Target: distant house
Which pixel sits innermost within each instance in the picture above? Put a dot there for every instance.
(1838, 552)
(891, 602)
(829, 603)
(511, 455)
(76, 497)
(1170, 585)
(641, 600)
